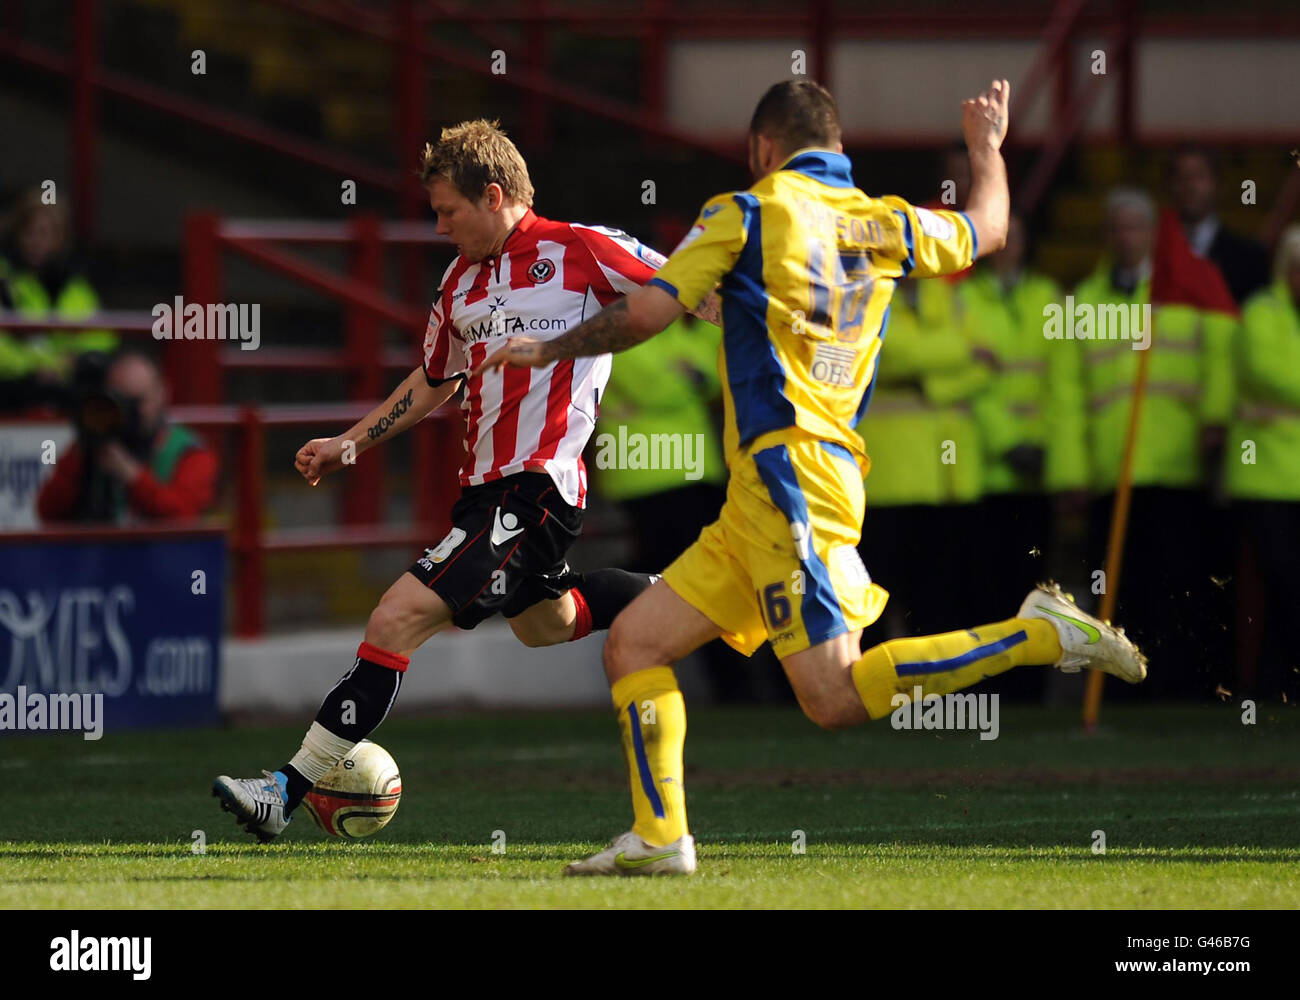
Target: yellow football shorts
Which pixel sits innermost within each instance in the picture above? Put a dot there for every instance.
(781, 562)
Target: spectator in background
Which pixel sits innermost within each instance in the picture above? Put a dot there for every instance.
(669, 385)
(926, 459)
(128, 462)
(1193, 189)
(1262, 469)
(1167, 559)
(672, 388)
(1003, 308)
(40, 277)
(666, 388)
(1193, 179)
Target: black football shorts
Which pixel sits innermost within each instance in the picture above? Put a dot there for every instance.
(506, 549)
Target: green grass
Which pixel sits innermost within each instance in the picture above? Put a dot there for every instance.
(1198, 811)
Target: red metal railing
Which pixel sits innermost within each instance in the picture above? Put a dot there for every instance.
(1051, 64)
(197, 368)
(1071, 109)
(403, 29)
(437, 449)
(409, 29)
(197, 373)
(87, 79)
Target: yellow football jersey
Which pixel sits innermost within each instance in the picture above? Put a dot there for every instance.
(805, 265)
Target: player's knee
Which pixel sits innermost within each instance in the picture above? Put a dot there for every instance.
(830, 713)
(534, 636)
(623, 653)
(614, 653)
(389, 623)
(533, 640)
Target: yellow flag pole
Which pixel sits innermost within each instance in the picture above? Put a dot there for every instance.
(1118, 529)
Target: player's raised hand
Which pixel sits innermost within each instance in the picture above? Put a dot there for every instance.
(522, 352)
(318, 458)
(984, 119)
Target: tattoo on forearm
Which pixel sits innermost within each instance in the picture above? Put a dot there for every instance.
(382, 425)
(710, 310)
(605, 333)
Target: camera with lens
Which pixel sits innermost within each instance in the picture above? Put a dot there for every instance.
(101, 416)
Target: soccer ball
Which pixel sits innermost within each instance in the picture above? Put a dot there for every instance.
(359, 795)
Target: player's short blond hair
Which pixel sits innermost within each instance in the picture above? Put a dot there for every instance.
(474, 154)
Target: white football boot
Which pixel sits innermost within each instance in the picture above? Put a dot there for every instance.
(630, 855)
(1086, 641)
(256, 802)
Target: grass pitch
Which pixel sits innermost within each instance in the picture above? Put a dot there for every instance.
(1198, 810)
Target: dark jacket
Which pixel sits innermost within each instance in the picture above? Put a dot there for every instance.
(1244, 263)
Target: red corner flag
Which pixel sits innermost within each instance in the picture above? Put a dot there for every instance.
(1180, 277)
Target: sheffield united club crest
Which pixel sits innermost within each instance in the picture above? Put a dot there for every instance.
(541, 271)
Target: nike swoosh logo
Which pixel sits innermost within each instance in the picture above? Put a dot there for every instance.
(623, 861)
(504, 528)
(1088, 630)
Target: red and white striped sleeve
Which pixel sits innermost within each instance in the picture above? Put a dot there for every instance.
(444, 352)
(627, 263)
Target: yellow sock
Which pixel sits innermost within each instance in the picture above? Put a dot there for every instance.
(938, 664)
(652, 717)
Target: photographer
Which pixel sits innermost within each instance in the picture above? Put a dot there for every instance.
(128, 463)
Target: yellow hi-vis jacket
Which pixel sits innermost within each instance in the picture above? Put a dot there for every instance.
(1262, 454)
(919, 429)
(662, 386)
(1189, 386)
(23, 355)
(1012, 408)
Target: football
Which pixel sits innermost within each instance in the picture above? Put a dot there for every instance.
(359, 796)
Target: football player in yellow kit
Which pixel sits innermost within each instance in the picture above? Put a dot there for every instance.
(805, 265)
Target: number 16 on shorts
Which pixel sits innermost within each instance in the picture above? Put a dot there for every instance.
(777, 610)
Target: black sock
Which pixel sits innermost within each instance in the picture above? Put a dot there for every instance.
(352, 710)
(296, 786)
(358, 703)
(609, 591)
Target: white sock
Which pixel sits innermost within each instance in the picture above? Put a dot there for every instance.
(320, 751)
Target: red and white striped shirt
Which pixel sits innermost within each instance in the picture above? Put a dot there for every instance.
(548, 278)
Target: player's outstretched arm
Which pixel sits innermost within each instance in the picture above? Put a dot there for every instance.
(409, 403)
(984, 121)
(636, 317)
